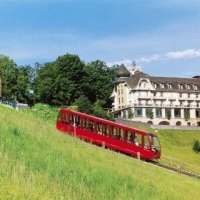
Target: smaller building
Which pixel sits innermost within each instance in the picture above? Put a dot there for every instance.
(156, 100)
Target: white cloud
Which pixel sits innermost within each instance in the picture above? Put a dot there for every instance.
(184, 54)
(172, 55)
(149, 59)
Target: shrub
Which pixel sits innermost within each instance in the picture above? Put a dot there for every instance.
(83, 104)
(45, 111)
(196, 146)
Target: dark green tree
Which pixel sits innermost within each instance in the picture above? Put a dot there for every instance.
(83, 104)
(196, 146)
(8, 74)
(99, 110)
(45, 83)
(24, 84)
(98, 84)
(60, 82)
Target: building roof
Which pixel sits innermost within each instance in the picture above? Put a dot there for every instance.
(122, 71)
(169, 83)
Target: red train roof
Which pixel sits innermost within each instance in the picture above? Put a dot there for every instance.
(108, 122)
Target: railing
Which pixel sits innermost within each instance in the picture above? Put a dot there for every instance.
(13, 104)
(8, 103)
(165, 106)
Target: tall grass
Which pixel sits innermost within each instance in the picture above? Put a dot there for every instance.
(38, 162)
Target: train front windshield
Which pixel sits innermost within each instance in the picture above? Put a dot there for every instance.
(155, 143)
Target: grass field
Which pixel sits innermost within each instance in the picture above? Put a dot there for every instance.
(37, 162)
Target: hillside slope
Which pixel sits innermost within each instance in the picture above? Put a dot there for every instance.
(177, 149)
(37, 162)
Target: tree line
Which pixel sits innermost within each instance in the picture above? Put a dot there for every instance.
(63, 82)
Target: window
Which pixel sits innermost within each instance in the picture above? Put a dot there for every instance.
(180, 95)
(146, 142)
(162, 86)
(138, 112)
(195, 87)
(198, 113)
(169, 85)
(188, 87)
(158, 112)
(138, 140)
(187, 114)
(180, 86)
(149, 113)
(177, 113)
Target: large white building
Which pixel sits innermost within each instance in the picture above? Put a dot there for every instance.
(156, 100)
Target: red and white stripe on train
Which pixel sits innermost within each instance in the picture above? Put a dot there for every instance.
(118, 137)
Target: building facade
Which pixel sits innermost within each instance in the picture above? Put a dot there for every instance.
(156, 100)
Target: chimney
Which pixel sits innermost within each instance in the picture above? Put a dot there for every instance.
(197, 77)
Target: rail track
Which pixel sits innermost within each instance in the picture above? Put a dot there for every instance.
(179, 170)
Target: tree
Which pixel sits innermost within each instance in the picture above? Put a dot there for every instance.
(98, 83)
(196, 146)
(60, 82)
(24, 84)
(8, 74)
(99, 111)
(45, 83)
(83, 104)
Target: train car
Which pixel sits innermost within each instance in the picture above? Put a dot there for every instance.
(111, 135)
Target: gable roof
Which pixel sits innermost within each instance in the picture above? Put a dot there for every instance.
(175, 82)
(122, 71)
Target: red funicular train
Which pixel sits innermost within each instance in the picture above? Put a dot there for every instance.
(109, 134)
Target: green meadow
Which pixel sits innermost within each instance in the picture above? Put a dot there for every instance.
(38, 162)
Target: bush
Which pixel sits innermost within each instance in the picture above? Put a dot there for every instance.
(196, 146)
(45, 111)
(83, 104)
(99, 111)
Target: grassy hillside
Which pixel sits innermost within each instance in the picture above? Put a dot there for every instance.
(177, 149)
(37, 162)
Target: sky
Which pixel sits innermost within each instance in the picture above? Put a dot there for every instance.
(163, 37)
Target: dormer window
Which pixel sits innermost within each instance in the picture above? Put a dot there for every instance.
(169, 86)
(195, 87)
(162, 86)
(180, 86)
(188, 87)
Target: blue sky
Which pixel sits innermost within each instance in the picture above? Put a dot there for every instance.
(162, 36)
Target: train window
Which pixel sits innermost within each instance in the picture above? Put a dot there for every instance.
(70, 119)
(83, 123)
(122, 134)
(125, 135)
(115, 132)
(99, 129)
(77, 120)
(103, 129)
(155, 143)
(138, 140)
(146, 142)
(129, 135)
(90, 125)
(108, 131)
(118, 133)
